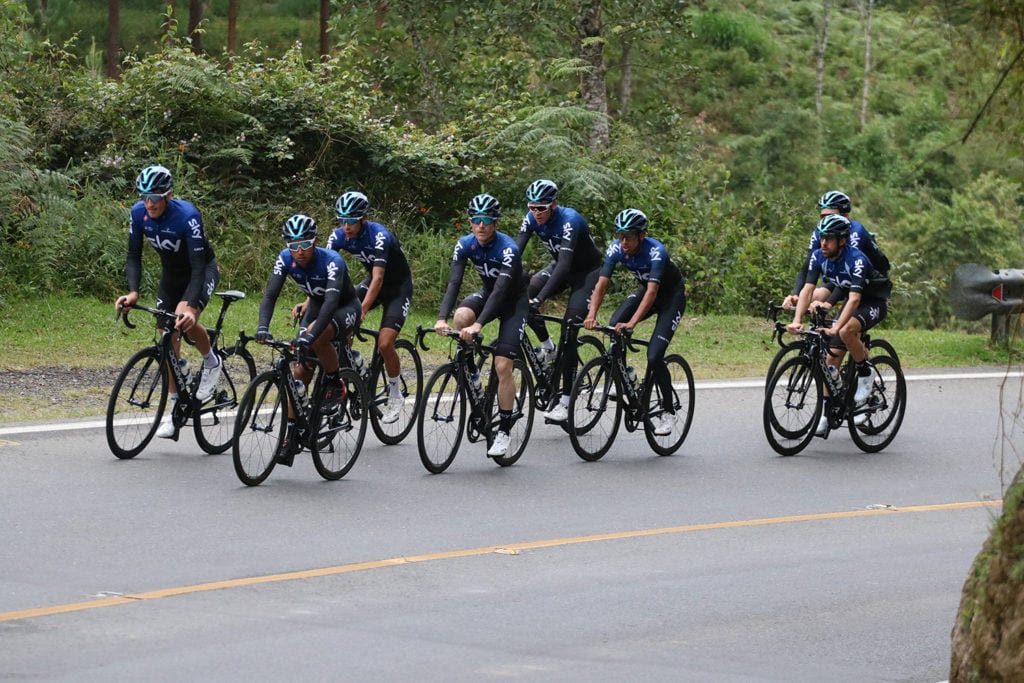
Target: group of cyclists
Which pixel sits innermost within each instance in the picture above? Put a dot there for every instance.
(843, 261)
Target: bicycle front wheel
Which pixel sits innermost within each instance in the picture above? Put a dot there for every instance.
(792, 405)
(136, 404)
(214, 423)
(884, 408)
(259, 428)
(674, 409)
(594, 416)
(784, 353)
(410, 385)
(341, 434)
(442, 419)
(522, 413)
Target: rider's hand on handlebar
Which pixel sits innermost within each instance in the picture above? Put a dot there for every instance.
(795, 327)
(789, 303)
(625, 327)
(298, 311)
(126, 301)
(535, 305)
(467, 333)
(303, 340)
(590, 323)
(441, 327)
(187, 317)
(262, 335)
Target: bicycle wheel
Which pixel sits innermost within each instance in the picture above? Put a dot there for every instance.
(593, 416)
(136, 404)
(522, 412)
(442, 419)
(214, 423)
(410, 384)
(884, 348)
(341, 434)
(784, 353)
(793, 405)
(681, 402)
(885, 407)
(259, 428)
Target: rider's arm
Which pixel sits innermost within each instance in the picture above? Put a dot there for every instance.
(454, 282)
(133, 263)
(563, 266)
(848, 310)
(270, 294)
(195, 242)
(498, 296)
(332, 299)
(801, 306)
(645, 304)
(373, 288)
(597, 296)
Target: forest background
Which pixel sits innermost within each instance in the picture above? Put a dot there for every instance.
(722, 120)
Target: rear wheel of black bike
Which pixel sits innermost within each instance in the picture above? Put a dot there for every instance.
(792, 405)
(136, 404)
(215, 422)
(341, 434)
(522, 413)
(786, 352)
(410, 385)
(594, 416)
(259, 428)
(881, 347)
(442, 419)
(680, 406)
(884, 408)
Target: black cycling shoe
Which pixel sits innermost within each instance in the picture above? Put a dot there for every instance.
(333, 397)
(289, 447)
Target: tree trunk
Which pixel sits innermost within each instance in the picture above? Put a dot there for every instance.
(380, 13)
(819, 55)
(592, 80)
(865, 12)
(195, 15)
(626, 84)
(325, 17)
(232, 27)
(113, 38)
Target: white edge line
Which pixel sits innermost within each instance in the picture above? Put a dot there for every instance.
(702, 384)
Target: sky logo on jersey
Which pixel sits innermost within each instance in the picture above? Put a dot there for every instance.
(486, 271)
(164, 244)
(332, 270)
(506, 256)
(655, 254)
(379, 243)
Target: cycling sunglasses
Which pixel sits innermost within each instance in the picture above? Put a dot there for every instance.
(348, 220)
(153, 196)
(298, 246)
(486, 220)
(538, 208)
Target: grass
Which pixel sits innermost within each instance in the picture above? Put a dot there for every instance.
(62, 331)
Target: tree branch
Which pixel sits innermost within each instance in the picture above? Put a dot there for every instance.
(991, 96)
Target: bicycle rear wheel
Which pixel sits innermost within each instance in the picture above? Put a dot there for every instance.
(885, 407)
(341, 434)
(594, 416)
(214, 423)
(442, 419)
(786, 352)
(136, 404)
(259, 428)
(792, 405)
(680, 406)
(410, 384)
(522, 413)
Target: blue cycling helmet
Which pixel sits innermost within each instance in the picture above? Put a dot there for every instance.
(834, 225)
(298, 227)
(352, 204)
(630, 220)
(542, 192)
(154, 180)
(484, 205)
(833, 199)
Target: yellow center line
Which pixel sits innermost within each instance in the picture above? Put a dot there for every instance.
(475, 552)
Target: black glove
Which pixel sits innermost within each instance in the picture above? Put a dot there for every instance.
(262, 335)
(303, 340)
(535, 305)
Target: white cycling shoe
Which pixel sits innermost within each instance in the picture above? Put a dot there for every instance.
(558, 414)
(392, 410)
(209, 382)
(499, 446)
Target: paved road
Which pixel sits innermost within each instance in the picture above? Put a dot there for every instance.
(755, 567)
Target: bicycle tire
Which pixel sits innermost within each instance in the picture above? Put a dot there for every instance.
(129, 428)
(443, 403)
(411, 382)
(588, 404)
(886, 347)
(684, 393)
(259, 428)
(886, 406)
(795, 388)
(213, 423)
(340, 436)
(519, 436)
(782, 354)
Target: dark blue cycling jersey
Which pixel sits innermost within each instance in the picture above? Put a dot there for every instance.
(375, 246)
(325, 279)
(651, 263)
(859, 238)
(852, 271)
(567, 237)
(500, 267)
(178, 237)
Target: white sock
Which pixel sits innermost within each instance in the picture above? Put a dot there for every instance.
(547, 344)
(564, 400)
(210, 360)
(394, 386)
(169, 410)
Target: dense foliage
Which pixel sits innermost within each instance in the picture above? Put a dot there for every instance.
(714, 133)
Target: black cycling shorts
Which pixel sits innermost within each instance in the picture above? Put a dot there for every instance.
(173, 285)
(580, 285)
(396, 301)
(513, 322)
(344, 322)
(669, 306)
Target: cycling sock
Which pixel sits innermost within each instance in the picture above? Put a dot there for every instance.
(863, 369)
(505, 421)
(394, 387)
(331, 377)
(564, 400)
(547, 344)
(210, 360)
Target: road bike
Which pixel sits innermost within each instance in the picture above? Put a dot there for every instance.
(451, 389)
(375, 378)
(333, 437)
(802, 389)
(547, 375)
(604, 394)
(139, 397)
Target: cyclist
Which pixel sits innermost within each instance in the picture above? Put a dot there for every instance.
(503, 297)
(332, 313)
(189, 271)
(388, 282)
(575, 264)
(846, 269)
(661, 290)
(831, 203)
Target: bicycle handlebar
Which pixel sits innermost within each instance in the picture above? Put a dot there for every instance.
(122, 313)
(626, 335)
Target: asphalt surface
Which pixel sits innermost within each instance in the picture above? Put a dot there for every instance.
(691, 567)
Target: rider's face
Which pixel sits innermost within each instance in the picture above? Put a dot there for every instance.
(482, 230)
(630, 242)
(541, 212)
(831, 246)
(304, 256)
(352, 230)
(156, 207)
